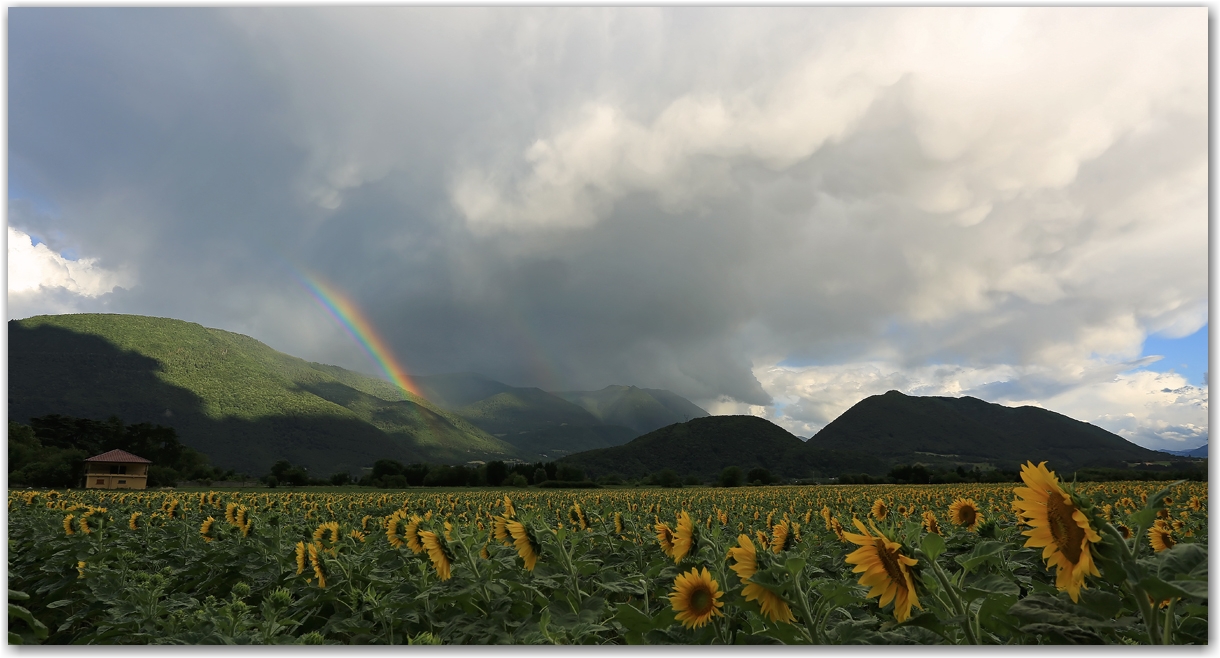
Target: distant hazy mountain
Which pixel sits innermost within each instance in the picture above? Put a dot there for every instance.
(543, 425)
(641, 409)
(1201, 451)
(229, 396)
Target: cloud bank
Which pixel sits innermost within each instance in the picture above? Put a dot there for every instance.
(781, 210)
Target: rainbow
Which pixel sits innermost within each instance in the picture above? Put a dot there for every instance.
(345, 311)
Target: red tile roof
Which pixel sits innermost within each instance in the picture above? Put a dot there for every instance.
(118, 456)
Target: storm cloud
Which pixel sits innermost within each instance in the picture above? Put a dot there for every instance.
(770, 211)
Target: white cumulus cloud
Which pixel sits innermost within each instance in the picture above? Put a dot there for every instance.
(42, 280)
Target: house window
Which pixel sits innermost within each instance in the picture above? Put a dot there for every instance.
(101, 481)
(118, 470)
(122, 481)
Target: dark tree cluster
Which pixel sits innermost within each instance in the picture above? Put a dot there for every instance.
(50, 451)
(391, 474)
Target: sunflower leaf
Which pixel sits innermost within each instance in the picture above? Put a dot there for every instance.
(932, 545)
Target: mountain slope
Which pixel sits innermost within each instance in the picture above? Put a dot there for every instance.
(237, 400)
(948, 430)
(641, 409)
(541, 425)
(702, 446)
(1201, 451)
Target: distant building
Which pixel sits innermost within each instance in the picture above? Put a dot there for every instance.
(117, 469)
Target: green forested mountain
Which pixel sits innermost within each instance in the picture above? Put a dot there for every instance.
(229, 396)
(641, 409)
(701, 447)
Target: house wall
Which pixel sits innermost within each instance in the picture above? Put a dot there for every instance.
(98, 476)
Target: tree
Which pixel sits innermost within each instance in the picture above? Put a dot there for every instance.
(539, 475)
(667, 478)
(497, 472)
(730, 477)
(759, 475)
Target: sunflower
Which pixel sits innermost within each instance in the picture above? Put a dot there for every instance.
(837, 528)
(229, 513)
(527, 545)
(1058, 525)
(484, 553)
(930, 524)
(577, 516)
(665, 537)
(686, 539)
(1124, 531)
(1160, 538)
(315, 560)
(618, 523)
(439, 552)
(412, 534)
(391, 530)
(300, 555)
(357, 535)
(206, 529)
(695, 598)
(332, 527)
(499, 529)
(965, 512)
(68, 524)
(509, 512)
(83, 522)
(763, 540)
(880, 511)
(884, 569)
(745, 564)
(782, 537)
(132, 523)
(80, 570)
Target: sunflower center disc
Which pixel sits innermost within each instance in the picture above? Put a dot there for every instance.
(889, 560)
(1068, 535)
(700, 601)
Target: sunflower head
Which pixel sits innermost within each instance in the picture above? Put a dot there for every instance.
(782, 537)
(526, 543)
(411, 533)
(665, 537)
(745, 565)
(1059, 526)
(618, 523)
(1161, 538)
(885, 569)
(439, 552)
(965, 512)
(686, 539)
(879, 510)
(206, 529)
(695, 598)
(930, 525)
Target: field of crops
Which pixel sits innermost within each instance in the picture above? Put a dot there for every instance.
(928, 564)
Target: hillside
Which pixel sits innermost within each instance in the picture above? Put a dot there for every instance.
(962, 431)
(229, 396)
(1201, 451)
(544, 425)
(541, 425)
(641, 409)
(702, 447)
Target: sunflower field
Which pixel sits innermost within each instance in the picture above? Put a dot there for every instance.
(1040, 563)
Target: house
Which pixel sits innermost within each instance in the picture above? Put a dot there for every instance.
(117, 469)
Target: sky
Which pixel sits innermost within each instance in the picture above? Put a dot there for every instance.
(773, 211)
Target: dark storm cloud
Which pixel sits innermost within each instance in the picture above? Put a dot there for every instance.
(677, 198)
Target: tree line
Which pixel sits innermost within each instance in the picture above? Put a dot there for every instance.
(51, 451)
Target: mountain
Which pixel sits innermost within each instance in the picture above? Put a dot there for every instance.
(544, 425)
(454, 390)
(229, 396)
(641, 409)
(877, 434)
(1201, 451)
(961, 431)
(702, 447)
(541, 425)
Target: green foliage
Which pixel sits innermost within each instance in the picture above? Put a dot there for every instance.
(731, 477)
(228, 396)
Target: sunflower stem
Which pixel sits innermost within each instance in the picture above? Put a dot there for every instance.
(1167, 635)
(947, 584)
